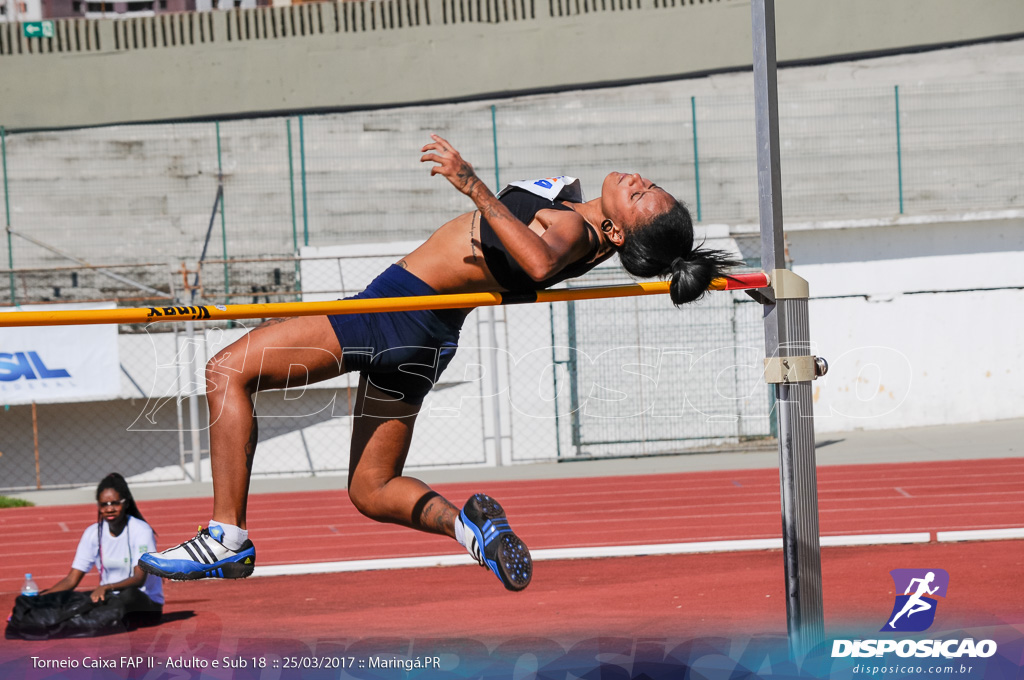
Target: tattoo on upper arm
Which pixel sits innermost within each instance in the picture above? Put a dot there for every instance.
(401, 263)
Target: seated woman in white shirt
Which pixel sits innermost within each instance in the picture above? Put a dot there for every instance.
(113, 545)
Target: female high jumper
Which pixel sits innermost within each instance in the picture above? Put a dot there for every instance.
(518, 242)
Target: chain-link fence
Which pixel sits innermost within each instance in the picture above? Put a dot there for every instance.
(312, 207)
(529, 383)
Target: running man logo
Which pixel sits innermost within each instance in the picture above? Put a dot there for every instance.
(914, 610)
(27, 365)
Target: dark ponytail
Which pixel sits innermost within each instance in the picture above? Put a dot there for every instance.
(692, 275)
(664, 248)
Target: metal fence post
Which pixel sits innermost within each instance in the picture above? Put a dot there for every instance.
(193, 400)
(177, 402)
(35, 444)
(494, 137)
(899, 147)
(302, 170)
(7, 209)
(223, 219)
(291, 194)
(492, 323)
(696, 161)
(492, 318)
(787, 335)
(554, 379)
(574, 397)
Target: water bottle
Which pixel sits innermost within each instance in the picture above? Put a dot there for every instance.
(29, 588)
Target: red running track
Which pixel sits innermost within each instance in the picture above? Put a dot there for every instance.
(675, 596)
(638, 601)
(323, 526)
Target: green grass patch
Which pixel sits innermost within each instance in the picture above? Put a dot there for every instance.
(8, 502)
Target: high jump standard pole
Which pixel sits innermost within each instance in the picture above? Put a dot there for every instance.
(788, 363)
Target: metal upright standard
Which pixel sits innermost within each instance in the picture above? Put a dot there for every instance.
(788, 363)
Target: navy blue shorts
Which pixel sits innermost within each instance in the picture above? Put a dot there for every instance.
(402, 353)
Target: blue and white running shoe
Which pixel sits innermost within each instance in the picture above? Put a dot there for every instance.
(490, 540)
(201, 557)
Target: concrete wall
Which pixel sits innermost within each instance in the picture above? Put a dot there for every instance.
(144, 193)
(916, 318)
(384, 52)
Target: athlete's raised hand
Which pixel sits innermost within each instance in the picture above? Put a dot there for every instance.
(450, 164)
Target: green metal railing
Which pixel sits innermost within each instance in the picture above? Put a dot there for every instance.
(899, 147)
(119, 195)
(7, 215)
(696, 156)
(223, 219)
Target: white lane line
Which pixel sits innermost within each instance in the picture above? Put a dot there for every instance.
(582, 553)
(899, 490)
(63, 527)
(979, 535)
(876, 539)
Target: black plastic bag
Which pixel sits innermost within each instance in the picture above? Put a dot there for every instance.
(72, 613)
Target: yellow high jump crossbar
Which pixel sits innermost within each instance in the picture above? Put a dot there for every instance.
(148, 315)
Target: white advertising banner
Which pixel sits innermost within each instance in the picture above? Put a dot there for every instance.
(47, 364)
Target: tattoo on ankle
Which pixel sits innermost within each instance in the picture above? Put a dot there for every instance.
(435, 514)
(442, 515)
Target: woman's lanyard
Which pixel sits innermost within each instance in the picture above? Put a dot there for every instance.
(128, 537)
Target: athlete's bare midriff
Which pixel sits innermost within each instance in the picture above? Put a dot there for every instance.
(452, 261)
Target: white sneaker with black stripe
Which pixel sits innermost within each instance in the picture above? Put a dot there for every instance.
(201, 557)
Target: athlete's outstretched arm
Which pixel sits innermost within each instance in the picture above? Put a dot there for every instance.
(540, 257)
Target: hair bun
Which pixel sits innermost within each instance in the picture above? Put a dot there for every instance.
(692, 275)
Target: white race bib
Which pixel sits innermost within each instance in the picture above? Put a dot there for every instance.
(552, 188)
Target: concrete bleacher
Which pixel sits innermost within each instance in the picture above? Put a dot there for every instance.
(146, 193)
(373, 53)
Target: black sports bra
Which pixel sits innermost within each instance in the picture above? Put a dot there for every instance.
(506, 271)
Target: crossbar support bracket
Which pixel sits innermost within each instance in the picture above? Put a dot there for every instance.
(785, 370)
(789, 286)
